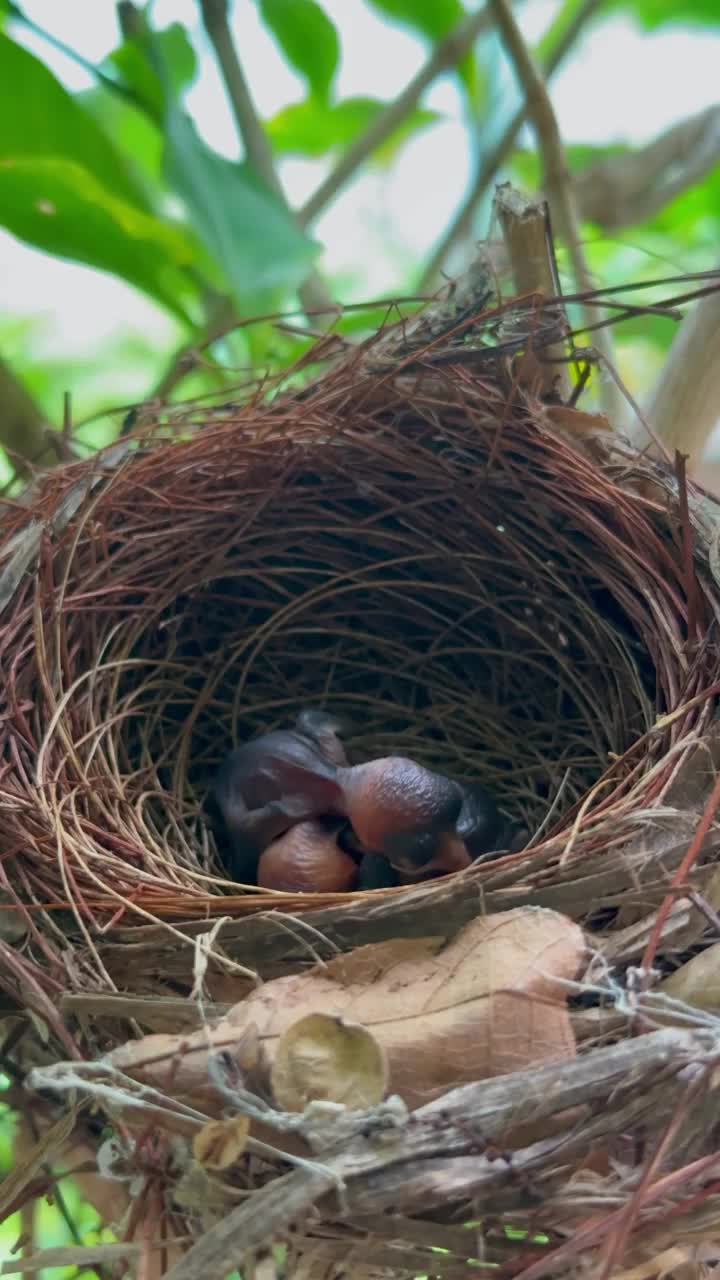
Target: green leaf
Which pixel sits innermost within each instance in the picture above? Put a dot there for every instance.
(137, 136)
(58, 206)
(137, 73)
(309, 129)
(38, 117)
(243, 226)
(308, 39)
(652, 14)
(433, 19)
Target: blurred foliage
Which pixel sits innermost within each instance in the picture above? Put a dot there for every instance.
(50, 1227)
(311, 128)
(117, 177)
(308, 39)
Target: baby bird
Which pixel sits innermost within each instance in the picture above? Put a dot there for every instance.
(272, 782)
(401, 809)
(422, 822)
(283, 796)
(307, 859)
(480, 825)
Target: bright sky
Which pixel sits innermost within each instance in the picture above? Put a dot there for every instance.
(620, 84)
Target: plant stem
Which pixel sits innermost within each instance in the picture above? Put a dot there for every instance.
(555, 173)
(24, 430)
(461, 224)
(528, 242)
(446, 54)
(313, 293)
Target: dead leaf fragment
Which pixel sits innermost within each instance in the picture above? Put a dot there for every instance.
(321, 1058)
(491, 1001)
(220, 1144)
(698, 981)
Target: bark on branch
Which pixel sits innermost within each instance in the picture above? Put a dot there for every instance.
(623, 190)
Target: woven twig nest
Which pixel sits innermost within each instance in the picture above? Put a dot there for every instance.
(494, 586)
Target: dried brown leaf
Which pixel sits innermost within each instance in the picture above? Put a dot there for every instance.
(698, 981)
(576, 423)
(489, 1002)
(326, 1058)
(220, 1144)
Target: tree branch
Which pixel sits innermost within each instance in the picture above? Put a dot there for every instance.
(114, 86)
(313, 293)
(460, 227)
(528, 240)
(446, 54)
(626, 189)
(433, 1161)
(685, 405)
(314, 296)
(24, 429)
(556, 176)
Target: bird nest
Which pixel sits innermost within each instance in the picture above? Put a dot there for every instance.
(481, 579)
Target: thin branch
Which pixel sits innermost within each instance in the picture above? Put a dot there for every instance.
(446, 54)
(460, 227)
(107, 82)
(555, 172)
(258, 152)
(313, 293)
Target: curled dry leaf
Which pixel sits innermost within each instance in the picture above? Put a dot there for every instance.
(698, 981)
(584, 431)
(220, 1144)
(492, 1000)
(325, 1058)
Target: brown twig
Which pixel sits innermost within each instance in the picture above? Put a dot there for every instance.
(528, 240)
(556, 178)
(317, 303)
(681, 875)
(446, 54)
(461, 225)
(313, 292)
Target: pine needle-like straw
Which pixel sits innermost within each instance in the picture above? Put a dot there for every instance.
(426, 553)
(499, 588)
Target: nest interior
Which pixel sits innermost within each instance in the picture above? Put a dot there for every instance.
(489, 584)
(443, 565)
